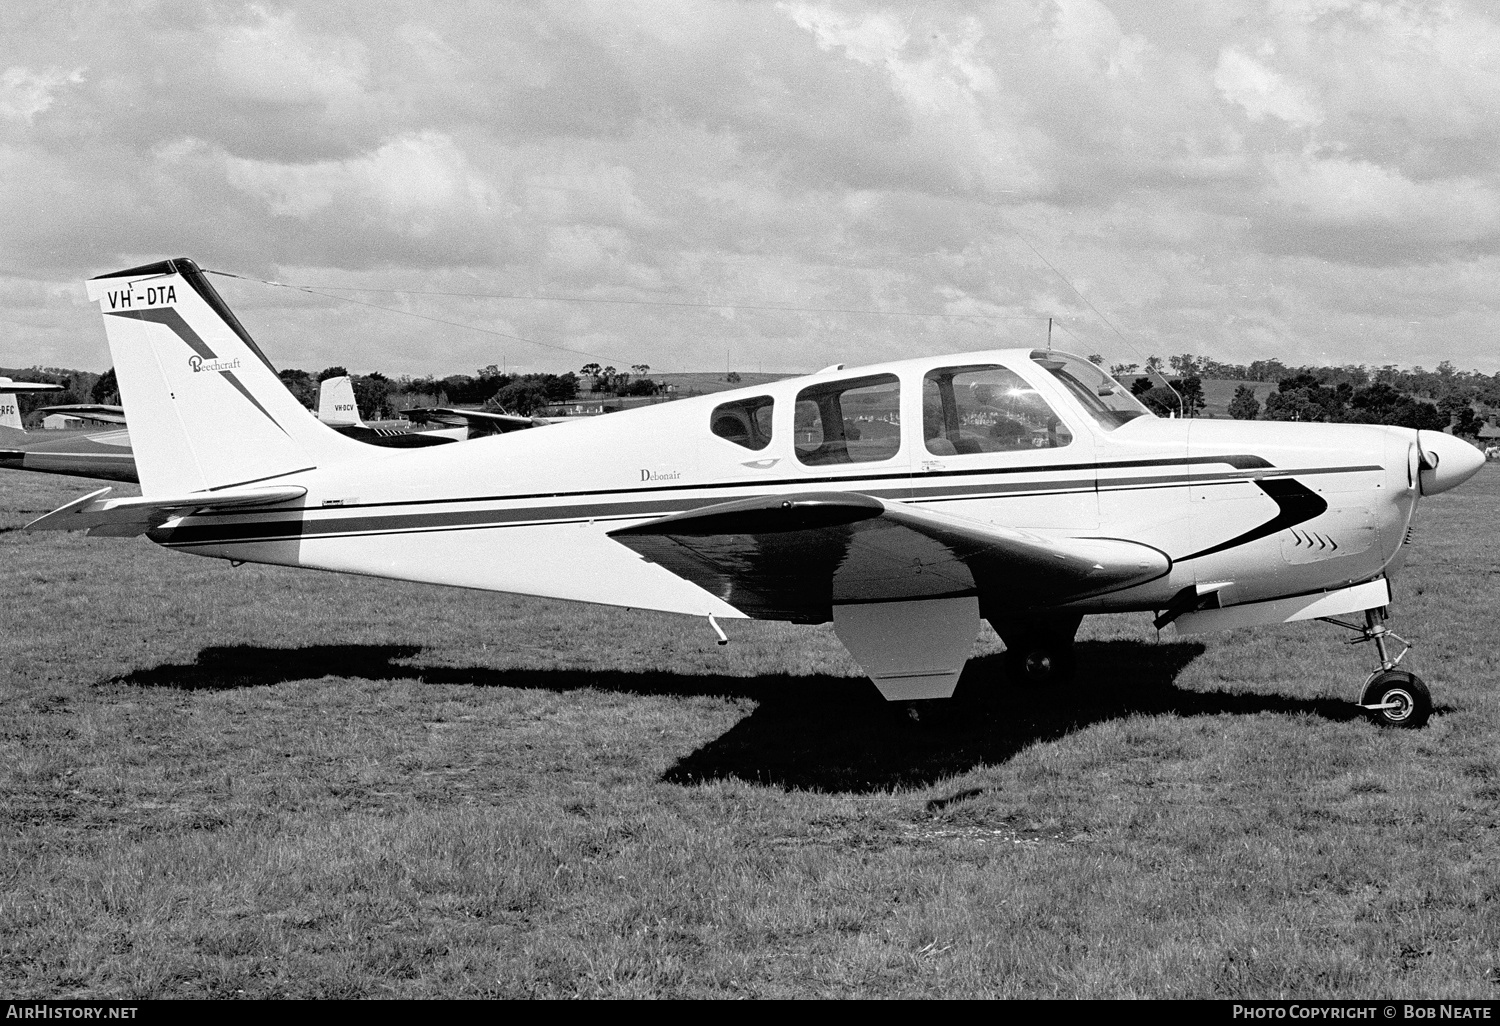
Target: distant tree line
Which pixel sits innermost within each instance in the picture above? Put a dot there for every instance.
(1443, 382)
(620, 383)
(1352, 394)
(380, 397)
(1179, 397)
(1360, 394)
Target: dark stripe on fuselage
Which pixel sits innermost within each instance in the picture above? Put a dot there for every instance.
(336, 525)
(1296, 503)
(908, 480)
(169, 317)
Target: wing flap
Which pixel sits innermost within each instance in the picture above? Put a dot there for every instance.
(796, 556)
(127, 517)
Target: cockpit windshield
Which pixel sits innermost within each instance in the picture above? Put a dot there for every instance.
(1101, 396)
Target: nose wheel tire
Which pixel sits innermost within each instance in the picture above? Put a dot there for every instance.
(1397, 698)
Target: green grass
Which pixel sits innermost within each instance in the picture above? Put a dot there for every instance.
(264, 782)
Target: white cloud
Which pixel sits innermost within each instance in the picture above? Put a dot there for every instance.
(956, 115)
(1262, 92)
(25, 93)
(411, 178)
(273, 58)
(1230, 177)
(1332, 194)
(877, 39)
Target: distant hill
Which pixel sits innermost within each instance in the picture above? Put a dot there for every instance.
(707, 382)
(1217, 392)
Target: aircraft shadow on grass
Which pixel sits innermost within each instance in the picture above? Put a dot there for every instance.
(813, 732)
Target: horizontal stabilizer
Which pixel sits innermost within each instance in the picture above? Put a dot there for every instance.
(135, 515)
(796, 556)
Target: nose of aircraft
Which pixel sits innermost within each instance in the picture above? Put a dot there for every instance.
(1447, 462)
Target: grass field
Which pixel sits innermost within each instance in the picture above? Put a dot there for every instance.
(257, 782)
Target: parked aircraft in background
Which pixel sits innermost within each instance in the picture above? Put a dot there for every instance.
(96, 413)
(10, 407)
(338, 409)
(102, 454)
(108, 454)
(478, 423)
(902, 501)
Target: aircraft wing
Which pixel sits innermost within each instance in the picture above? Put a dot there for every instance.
(104, 414)
(796, 556)
(105, 454)
(480, 422)
(127, 517)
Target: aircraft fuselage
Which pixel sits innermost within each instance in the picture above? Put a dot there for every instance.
(1251, 510)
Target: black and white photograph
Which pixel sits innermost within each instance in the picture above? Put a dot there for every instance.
(822, 499)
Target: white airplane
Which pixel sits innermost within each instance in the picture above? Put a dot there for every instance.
(902, 501)
(98, 413)
(338, 409)
(103, 454)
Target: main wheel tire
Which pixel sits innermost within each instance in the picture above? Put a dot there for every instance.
(1039, 663)
(1409, 701)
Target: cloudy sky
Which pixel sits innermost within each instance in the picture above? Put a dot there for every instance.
(771, 186)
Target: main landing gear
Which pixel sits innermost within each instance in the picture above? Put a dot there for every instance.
(1038, 652)
(1393, 697)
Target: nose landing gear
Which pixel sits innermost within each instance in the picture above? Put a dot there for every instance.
(1392, 697)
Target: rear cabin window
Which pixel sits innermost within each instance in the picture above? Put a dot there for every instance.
(746, 422)
(853, 421)
(969, 410)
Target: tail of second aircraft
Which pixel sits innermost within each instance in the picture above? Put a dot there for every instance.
(206, 408)
(336, 404)
(10, 406)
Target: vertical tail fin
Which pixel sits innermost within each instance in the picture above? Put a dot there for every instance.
(206, 408)
(336, 403)
(10, 407)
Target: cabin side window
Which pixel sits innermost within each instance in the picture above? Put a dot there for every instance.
(977, 409)
(853, 421)
(746, 422)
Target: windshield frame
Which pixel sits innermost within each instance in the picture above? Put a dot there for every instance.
(1084, 382)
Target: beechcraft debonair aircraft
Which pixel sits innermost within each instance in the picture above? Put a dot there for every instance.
(902, 501)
